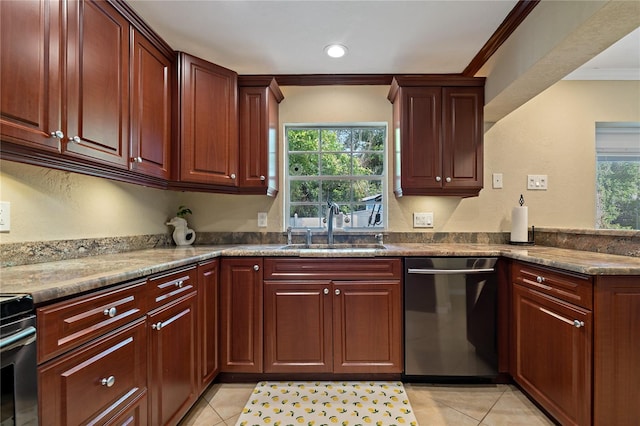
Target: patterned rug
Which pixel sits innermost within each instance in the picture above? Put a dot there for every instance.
(328, 403)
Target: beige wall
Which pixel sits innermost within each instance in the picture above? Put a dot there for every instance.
(551, 134)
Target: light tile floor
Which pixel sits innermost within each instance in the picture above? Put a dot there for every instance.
(433, 405)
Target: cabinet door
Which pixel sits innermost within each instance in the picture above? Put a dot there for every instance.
(241, 313)
(297, 326)
(97, 83)
(208, 321)
(173, 357)
(151, 76)
(95, 382)
(30, 77)
(209, 123)
(367, 327)
(551, 356)
(421, 149)
(462, 151)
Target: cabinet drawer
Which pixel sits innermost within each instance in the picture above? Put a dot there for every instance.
(66, 325)
(571, 287)
(333, 269)
(95, 382)
(171, 286)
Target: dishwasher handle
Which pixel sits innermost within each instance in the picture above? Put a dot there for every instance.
(448, 271)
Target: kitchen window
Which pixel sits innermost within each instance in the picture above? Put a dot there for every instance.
(342, 164)
(618, 175)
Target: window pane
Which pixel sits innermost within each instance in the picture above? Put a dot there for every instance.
(303, 191)
(618, 194)
(336, 140)
(336, 164)
(303, 164)
(337, 191)
(368, 164)
(367, 191)
(304, 216)
(368, 139)
(303, 139)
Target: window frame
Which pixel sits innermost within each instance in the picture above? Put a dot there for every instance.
(383, 178)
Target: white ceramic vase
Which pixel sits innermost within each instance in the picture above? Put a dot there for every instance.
(182, 235)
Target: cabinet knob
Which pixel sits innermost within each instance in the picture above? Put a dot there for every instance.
(578, 323)
(325, 291)
(111, 312)
(136, 160)
(57, 134)
(256, 268)
(262, 178)
(540, 280)
(233, 176)
(179, 283)
(157, 326)
(438, 178)
(337, 291)
(448, 179)
(108, 382)
(75, 139)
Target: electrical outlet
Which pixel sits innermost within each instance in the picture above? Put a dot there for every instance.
(5, 216)
(537, 182)
(262, 219)
(423, 220)
(497, 180)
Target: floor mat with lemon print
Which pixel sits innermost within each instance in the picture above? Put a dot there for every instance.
(328, 403)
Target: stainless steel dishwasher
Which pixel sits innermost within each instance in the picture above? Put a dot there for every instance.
(450, 316)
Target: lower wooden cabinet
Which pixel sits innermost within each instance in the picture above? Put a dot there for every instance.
(208, 321)
(97, 383)
(173, 360)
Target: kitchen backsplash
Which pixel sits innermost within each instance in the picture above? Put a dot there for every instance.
(626, 243)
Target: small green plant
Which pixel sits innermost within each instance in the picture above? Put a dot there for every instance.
(183, 211)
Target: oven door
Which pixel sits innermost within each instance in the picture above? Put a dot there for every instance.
(19, 399)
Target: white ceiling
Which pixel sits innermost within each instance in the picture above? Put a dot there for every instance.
(382, 37)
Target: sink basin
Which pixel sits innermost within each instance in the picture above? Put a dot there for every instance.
(336, 246)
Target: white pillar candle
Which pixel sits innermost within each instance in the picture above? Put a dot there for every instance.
(519, 224)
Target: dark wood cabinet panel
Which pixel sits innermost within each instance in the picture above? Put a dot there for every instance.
(208, 320)
(97, 90)
(167, 287)
(173, 360)
(208, 150)
(151, 108)
(552, 354)
(241, 315)
(439, 123)
(112, 371)
(616, 350)
(367, 327)
(286, 268)
(31, 73)
(259, 129)
(298, 317)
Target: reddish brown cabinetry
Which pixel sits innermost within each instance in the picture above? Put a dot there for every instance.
(258, 107)
(331, 315)
(241, 315)
(208, 148)
(551, 339)
(208, 320)
(438, 129)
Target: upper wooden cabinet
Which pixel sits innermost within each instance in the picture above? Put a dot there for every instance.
(438, 125)
(31, 73)
(259, 98)
(208, 148)
(152, 80)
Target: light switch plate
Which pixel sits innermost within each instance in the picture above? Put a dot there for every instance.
(423, 220)
(537, 182)
(5, 216)
(262, 219)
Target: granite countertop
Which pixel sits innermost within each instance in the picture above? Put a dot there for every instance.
(54, 280)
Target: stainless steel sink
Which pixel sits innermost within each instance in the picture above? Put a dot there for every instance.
(335, 246)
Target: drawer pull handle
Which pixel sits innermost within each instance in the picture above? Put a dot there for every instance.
(578, 323)
(111, 312)
(438, 178)
(157, 326)
(262, 178)
(57, 134)
(179, 283)
(337, 291)
(448, 179)
(256, 268)
(108, 382)
(325, 291)
(540, 280)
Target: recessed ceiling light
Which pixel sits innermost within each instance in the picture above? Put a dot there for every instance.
(335, 50)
